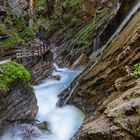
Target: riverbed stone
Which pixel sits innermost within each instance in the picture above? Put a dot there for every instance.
(43, 125)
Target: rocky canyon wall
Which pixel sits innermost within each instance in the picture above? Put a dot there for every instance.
(109, 93)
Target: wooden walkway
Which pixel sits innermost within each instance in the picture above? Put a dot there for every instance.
(6, 54)
(5, 60)
(31, 51)
(20, 52)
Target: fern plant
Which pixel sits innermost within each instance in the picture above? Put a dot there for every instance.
(136, 70)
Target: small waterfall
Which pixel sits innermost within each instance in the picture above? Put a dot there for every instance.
(103, 40)
(126, 20)
(114, 28)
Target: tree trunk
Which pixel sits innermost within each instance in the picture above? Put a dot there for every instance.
(31, 13)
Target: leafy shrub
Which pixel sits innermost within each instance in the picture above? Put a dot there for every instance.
(12, 72)
(72, 3)
(13, 39)
(19, 30)
(2, 29)
(136, 70)
(39, 2)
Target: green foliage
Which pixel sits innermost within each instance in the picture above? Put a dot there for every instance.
(2, 29)
(12, 72)
(81, 40)
(86, 32)
(38, 3)
(13, 39)
(65, 16)
(27, 33)
(83, 43)
(136, 70)
(17, 28)
(62, 23)
(71, 3)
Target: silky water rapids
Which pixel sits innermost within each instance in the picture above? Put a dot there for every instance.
(62, 122)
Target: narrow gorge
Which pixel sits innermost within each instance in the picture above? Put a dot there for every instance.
(70, 69)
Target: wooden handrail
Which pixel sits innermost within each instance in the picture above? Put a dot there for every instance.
(23, 52)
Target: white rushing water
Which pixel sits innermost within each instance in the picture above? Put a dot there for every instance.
(62, 122)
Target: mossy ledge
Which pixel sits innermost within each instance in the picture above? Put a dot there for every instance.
(10, 73)
(136, 70)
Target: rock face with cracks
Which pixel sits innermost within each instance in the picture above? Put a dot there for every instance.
(19, 104)
(109, 93)
(106, 91)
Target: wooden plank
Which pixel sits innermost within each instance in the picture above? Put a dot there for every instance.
(4, 58)
(5, 61)
(32, 51)
(22, 55)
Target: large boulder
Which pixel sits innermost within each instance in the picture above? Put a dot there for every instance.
(120, 120)
(43, 125)
(19, 104)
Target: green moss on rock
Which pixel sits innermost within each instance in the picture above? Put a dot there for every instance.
(12, 72)
(17, 28)
(136, 70)
(38, 3)
(2, 29)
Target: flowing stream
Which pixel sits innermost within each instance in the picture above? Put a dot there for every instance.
(62, 122)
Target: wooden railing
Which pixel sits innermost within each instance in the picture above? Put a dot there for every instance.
(31, 51)
(16, 52)
(9, 52)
